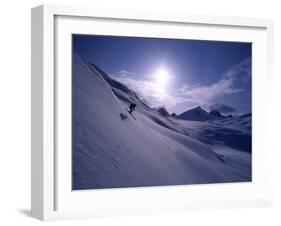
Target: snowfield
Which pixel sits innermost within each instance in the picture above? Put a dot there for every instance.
(111, 149)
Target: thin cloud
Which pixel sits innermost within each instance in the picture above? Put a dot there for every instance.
(243, 70)
(124, 73)
(190, 95)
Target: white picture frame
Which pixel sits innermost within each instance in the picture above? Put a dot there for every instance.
(52, 197)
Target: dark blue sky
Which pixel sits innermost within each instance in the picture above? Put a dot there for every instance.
(199, 72)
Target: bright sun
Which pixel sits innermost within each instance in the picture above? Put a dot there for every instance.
(161, 79)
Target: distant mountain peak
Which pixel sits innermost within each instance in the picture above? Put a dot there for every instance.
(196, 114)
(215, 113)
(222, 108)
(197, 108)
(199, 114)
(163, 111)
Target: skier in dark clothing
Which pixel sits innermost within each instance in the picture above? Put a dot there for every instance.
(132, 108)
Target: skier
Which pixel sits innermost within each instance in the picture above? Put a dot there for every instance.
(132, 108)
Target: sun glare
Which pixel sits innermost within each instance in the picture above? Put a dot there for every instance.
(161, 78)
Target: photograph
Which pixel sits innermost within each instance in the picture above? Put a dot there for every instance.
(150, 111)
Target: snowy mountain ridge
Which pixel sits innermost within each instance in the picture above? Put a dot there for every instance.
(200, 114)
(222, 108)
(196, 114)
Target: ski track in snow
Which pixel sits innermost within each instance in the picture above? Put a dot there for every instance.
(110, 150)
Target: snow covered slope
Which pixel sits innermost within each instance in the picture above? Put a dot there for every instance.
(111, 150)
(234, 132)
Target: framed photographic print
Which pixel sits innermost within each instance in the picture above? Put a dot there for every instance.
(137, 112)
